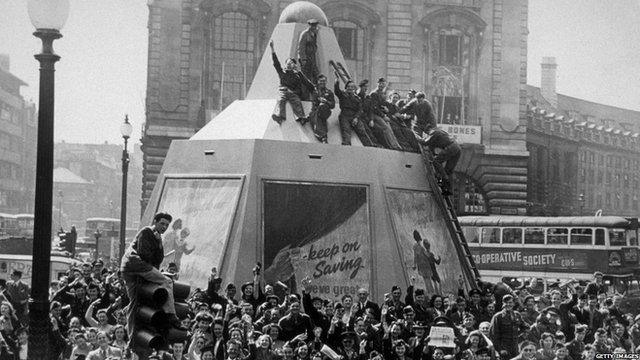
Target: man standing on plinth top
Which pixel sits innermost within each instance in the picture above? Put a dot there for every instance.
(307, 49)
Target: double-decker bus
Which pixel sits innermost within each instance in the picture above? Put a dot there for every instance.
(25, 225)
(8, 225)
(553, 248)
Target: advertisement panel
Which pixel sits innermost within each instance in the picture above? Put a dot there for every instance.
(426, 247)
(202, 211)
(317, 231)
(523, 259)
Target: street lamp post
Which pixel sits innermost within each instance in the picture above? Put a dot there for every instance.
(97, 235)
(125, 130)
(48, 17)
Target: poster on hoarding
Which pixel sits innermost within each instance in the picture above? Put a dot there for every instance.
(426, 247)
(202, 211)
(320, 231)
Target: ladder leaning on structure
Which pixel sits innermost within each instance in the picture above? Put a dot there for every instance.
(453, 225)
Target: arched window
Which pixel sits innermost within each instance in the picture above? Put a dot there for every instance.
(351, 40)
(232, 59)
(468, 196)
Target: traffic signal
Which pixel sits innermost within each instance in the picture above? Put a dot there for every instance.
(72, 237)
(63, 244)
(151, 328)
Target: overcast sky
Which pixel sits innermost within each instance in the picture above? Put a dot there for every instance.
(102, 73)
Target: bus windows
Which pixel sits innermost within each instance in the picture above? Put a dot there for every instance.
(617, 237)
(471, 234)
(600, 237)
(534, 236)
(491, 235)
(512, 236)
(582, 237)
(558, 236)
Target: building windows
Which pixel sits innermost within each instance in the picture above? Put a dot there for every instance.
(450, 49)
(233, 57)
(350, 37)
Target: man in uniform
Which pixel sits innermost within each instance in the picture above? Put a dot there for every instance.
(421, 108)
(350, 113)
(322, 102)
(379, 120)
(506, 326)
(18, 294)
(307, 49)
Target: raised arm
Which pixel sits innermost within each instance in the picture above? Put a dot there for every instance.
(88, 315)
(276, 62)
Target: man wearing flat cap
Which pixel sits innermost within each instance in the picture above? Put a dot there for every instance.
(18, 293)
(307, 49)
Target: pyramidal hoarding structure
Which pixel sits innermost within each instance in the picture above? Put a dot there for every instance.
(245, 189)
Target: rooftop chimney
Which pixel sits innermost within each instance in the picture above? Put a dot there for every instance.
(5, 62)
(548, 80)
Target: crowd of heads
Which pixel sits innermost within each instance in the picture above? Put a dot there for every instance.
(272, 321)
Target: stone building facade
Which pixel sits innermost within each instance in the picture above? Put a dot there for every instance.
(18, 127)
(469, 56)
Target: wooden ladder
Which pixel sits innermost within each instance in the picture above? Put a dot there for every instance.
(453, 225)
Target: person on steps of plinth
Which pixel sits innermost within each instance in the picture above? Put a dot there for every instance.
(445, 161)
(291, 83)
(141, 261)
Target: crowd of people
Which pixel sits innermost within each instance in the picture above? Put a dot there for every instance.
(263, 322)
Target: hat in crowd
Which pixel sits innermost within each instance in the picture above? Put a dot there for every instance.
(419, 292)
(412, 91)
(316, 298)
(273, 297)
(363, 83)
(419, 325)
(231, 286)
(407, 309)
(313, 21)
(394, 288)
(338, 306)
(97, 262)
(474, 292)
(381, 80)
(348, 334)
(16, 273)
(597, 273)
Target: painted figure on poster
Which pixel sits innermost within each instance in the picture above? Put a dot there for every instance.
(425, 263)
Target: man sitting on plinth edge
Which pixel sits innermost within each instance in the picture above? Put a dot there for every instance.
(291, 83)
(141, 262)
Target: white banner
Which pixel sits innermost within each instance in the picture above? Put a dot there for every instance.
(464, 134)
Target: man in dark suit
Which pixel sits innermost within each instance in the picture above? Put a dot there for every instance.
(576, 346)
(364, 303)
(18, 294)
(295, 323)
(595, 319)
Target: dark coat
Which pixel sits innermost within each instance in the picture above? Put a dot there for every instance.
(144, 253)
(505, 330)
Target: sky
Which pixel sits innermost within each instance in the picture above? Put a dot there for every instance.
(102, 73)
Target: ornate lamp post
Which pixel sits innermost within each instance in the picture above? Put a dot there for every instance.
(48, 17)
(125, 130)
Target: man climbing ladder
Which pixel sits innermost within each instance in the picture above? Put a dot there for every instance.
(444, 161)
